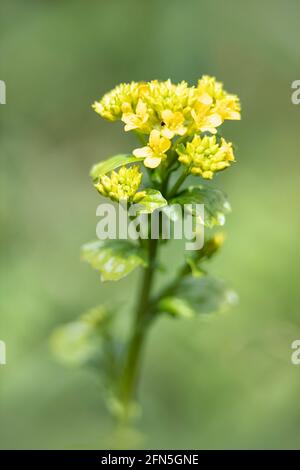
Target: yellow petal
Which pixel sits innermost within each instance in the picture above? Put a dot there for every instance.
(206, 99)
(164, 145)
(178, 118)
(167, 133)
(215, 120)
(130, 125)
(234, 115)
(181, 130)
(167, 115)
(141, 108)
(144, 152)
(131, 121)
(208, 128)
(154, 138)
(152, 162)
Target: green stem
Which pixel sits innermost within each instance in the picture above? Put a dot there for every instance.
(141, 322)
(143, 315)
(178, 183)
(179, 141)
(170, 288)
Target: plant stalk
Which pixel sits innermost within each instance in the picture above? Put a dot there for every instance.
(178, 183)
(131, 369)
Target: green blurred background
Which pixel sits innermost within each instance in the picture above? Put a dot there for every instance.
(228, 383)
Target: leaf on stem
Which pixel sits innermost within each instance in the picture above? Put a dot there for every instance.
(114, 259)
(82, 341)
(216, 205)
(152, 200)
(195, 296)
(102, 168)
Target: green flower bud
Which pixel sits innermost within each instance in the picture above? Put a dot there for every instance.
(121, 185)
(205, 156)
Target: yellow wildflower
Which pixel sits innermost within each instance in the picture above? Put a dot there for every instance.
(171, 109)
(211, 105)
(205, 156)
(137, 120)
(172, 124)
(228, 107)
(155, 151)
(204, 119)
(121, 185)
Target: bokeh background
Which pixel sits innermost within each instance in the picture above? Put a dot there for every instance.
(228, 383)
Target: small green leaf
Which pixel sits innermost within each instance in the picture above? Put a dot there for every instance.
(72, 344)
(202, 295)
(152, 200)
(102, 168)
(216, 205)
(81, 341)
(114, 259)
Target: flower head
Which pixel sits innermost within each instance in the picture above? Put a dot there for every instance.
(121, 185)
(205, 156)
(155, 151)
(165, 111)
(111, 105)
(211, 105)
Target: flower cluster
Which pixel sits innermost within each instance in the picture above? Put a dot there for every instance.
(169, 113)
(204, 156)
(112, 104)
(122, 185)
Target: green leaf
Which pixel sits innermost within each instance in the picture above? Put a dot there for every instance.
(216, 205)
(81, 341)
(114, 259)
(202, 295)
(152, 200)
(102, 168)
(72, 344)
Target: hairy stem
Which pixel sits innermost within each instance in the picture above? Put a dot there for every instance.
(135, 346)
